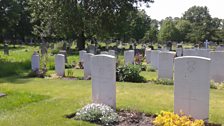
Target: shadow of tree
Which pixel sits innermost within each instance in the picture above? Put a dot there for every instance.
(12, 71)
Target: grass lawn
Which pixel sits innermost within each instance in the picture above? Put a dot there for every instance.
(45, 102)
(41, 102)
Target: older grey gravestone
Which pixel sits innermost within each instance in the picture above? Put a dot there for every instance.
(35, 62)
(81, 55)
(191, 86)
(189, 52)
(43, 48)
(87, 69)
(60, 64)
(165, 67)
(203, 52)
(179, 52)
(217, 64)
(148, 55)
(219, 48)
(92, 49)
(129, 57)
(6, 49)
(103, 72)
(63, 52)
(112, 53)
(155, 58)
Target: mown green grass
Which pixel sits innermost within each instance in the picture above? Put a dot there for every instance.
(67, 96)
(15, 99)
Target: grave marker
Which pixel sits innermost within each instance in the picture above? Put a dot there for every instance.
(103, 72)
(60, 64)
(191, 86)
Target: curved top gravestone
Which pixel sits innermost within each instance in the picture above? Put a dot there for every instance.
(191, 86)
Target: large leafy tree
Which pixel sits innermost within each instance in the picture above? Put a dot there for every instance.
(14, 19)
(200, 20)
(152, 33)
(168, 31)
(81, 19)
(183, 27)
(140, 25)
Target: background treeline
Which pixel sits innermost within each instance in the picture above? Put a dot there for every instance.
(81, 20)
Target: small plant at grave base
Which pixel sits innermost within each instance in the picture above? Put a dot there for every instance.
(171, 119)
(163, 81)
(97, 113)
(152, 70)
(70, 72)
(129, 73)
(215, 85)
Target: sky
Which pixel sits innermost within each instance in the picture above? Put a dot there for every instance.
(161, 9)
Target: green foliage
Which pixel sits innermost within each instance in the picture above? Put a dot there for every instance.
(97, 113)
(200, 20)
(163, 81)
(152, 70)
(168, 31)
(215, 85)
(129, 73)
(70, 73)
(140, 24)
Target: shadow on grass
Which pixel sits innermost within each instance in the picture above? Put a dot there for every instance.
(14, 72)
(12, 48)
(14, 80)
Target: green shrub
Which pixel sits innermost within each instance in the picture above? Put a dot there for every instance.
(69, 66)
(129, 73)
(55, 51)
(163, 81)
(97, 113)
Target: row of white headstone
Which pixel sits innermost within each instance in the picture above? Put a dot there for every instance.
(163, 61)
(59, 63)
(191, 82)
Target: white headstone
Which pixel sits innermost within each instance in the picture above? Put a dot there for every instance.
(35, 62)
(189, 52)
(81, 55)
(129, 57)
(60, 64)
(179, 52)
(155, 58)
(217, 64)
(165, 69)
(148, 55)
(87, 69)
(219, 48)
(191, 86)
(103, 74)
(202, 52)
(112, 52)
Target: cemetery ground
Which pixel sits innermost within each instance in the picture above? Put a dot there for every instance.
(42, 102)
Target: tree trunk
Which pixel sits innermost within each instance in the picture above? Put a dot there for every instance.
(81, 41)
